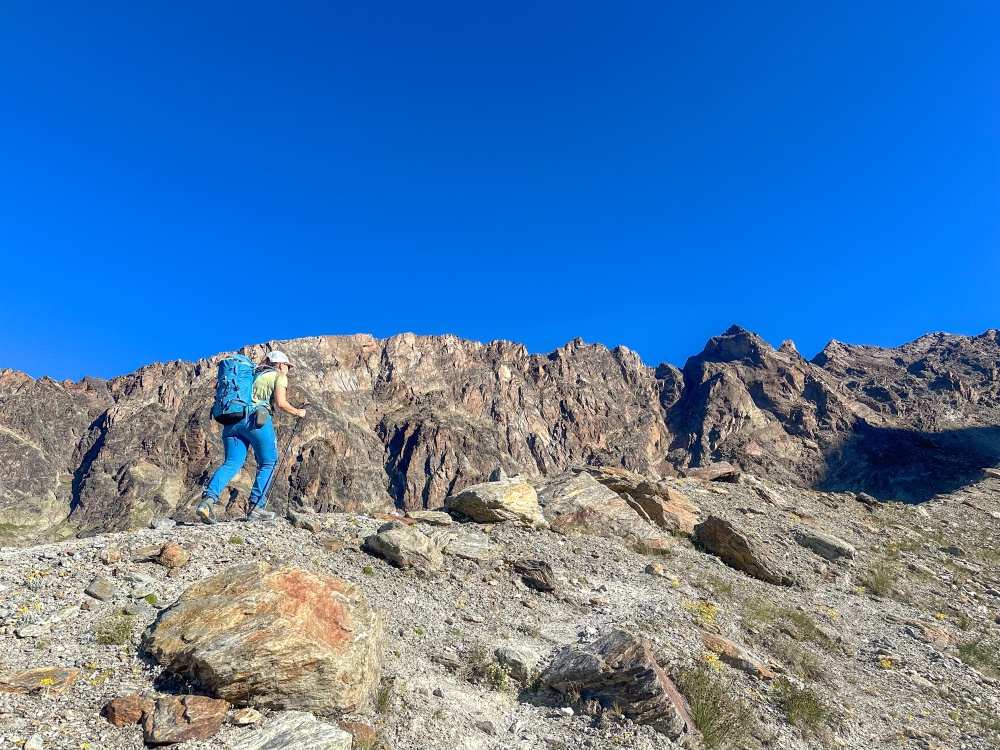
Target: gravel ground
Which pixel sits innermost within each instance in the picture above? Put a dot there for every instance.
(857, 669)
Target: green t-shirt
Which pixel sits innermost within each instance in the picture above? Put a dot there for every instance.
(264, 386)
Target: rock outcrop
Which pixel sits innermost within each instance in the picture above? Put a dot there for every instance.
(621, 670)
(274, 637)
(407, 421)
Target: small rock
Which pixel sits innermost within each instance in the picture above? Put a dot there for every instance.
(162, 524)
(826, 546)
(296, 729)
(110, 555)
(487, 726)
(364, 734)
(34, 743)
(127, 709)
(244, 717)
(520, 662)
(145, 554)
(566, 711)
(439, 692)
(992, 473)
(32, 631)
(433, 517)
(656, 569)
(303, 520)
(405, 547)
(181, 718)
(101, 589)
(172, 555)
(535, 573)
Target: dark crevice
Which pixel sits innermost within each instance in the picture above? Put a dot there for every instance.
(80, 475)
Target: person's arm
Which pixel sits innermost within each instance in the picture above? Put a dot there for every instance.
(281, 402)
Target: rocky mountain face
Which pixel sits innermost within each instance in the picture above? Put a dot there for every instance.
(403, 422)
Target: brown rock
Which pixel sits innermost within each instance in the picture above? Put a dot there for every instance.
(723, 471)
(535, 573)
(304, 520)
(172, 555)
(391, 517)
(737, 656)
(181, 718)
(939, 638)
(110, 555)
(279, 637)
(364, 735)
(127, 709)
(244, 717)
(739, 551)
(621, 669)
(50, 681)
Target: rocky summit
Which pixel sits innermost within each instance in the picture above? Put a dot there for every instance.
(477, 548)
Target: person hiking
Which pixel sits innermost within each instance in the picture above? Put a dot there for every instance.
(255, 431)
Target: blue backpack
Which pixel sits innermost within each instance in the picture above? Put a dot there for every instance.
(233, 390)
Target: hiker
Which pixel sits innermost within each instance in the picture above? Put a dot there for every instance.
(255, 431)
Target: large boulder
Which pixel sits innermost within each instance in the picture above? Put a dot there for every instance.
(663, 504)
(739, 550)
(494, 502)
(578, 502)
(405, 547)
(279, 637)
(621, 670)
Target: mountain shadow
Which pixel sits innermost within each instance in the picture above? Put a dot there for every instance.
(910, 466)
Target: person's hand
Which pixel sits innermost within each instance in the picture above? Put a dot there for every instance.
(302, 409)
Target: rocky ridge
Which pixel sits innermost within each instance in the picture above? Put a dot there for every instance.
(401, 423)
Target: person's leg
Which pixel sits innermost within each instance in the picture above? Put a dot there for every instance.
(265, 451)
(236, 453)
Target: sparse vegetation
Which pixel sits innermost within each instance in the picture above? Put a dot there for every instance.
(482, 667)
(384, 696)
(368, 570)
(881, 580)
(802, 707)
(982, 653)
(115, 631)
(236, 540)
(724, 721)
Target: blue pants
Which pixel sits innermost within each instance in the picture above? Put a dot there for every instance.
(236, 438)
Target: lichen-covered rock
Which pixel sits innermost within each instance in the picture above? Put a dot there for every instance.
(495, 502)
(281, 637)
(621, 670)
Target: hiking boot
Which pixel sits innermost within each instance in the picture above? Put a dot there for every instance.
(259, 514)
(206, 510)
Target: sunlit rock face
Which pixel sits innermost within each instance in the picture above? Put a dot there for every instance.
(407, 421)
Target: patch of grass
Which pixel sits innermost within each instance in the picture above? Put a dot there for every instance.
(368, 570)
(150, 599)
(115, 631)
(418, 631)
(643, 547)
(236, 540)
(481, 667)
(719, 587)
(724, 721)
(982, 653)
(803, 708)
(881, 580)
(800, 660)
(384, 696)
(757, 613)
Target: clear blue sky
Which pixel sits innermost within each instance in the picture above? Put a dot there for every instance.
(179, 179)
